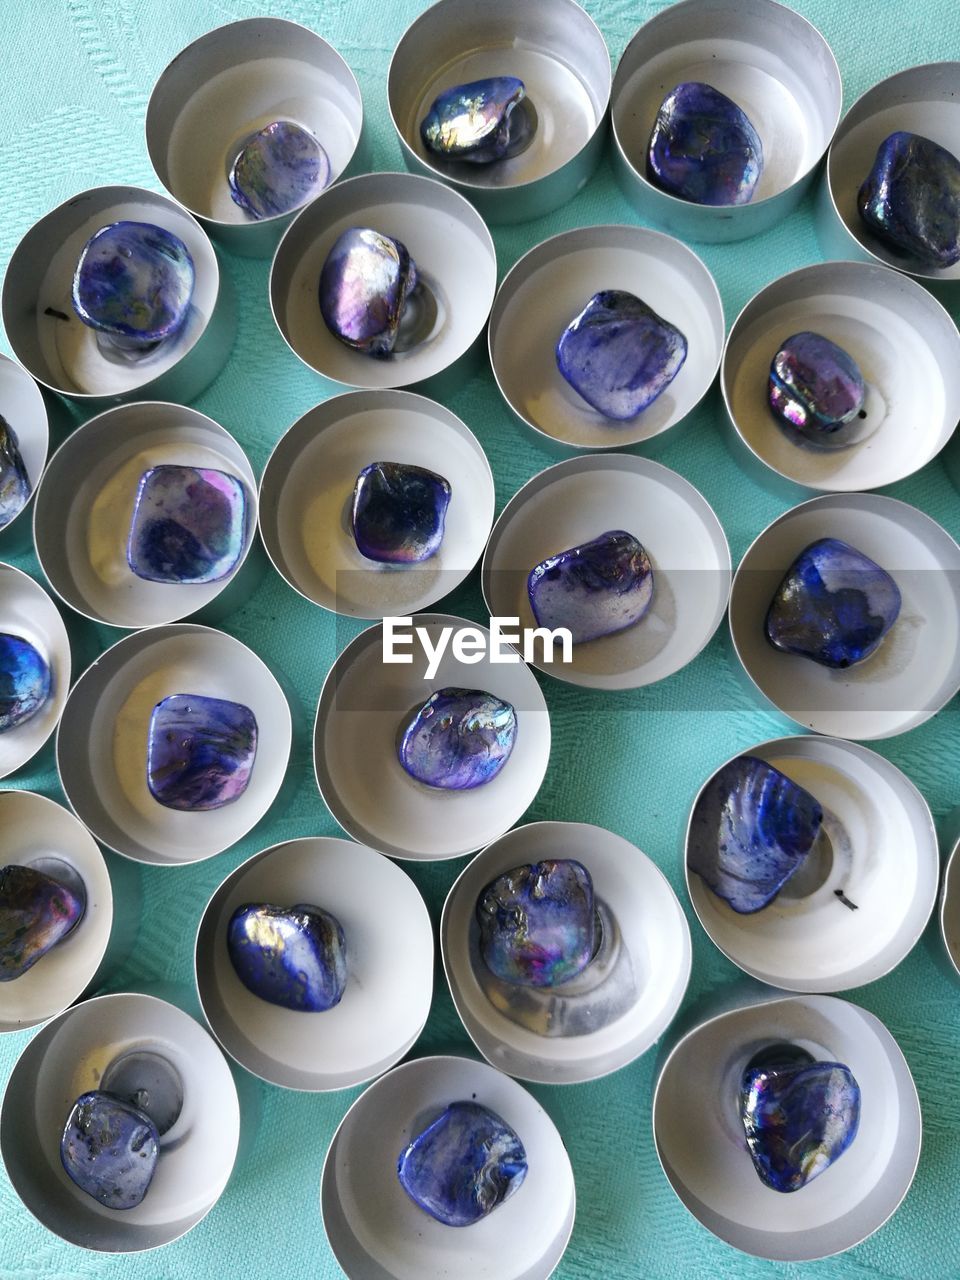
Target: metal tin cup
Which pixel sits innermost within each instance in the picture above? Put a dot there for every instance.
(110, 1040)
(456, 266)
(225, 87)
(701, 1143)
(558, 52)
(905, 345)
(307, 490)
(912, 674)
(103, 737)
(860, 900)
(23, 410)
(617, 1007)
(550, 286)
(62, 353)
(376, 1230)
(389, 949)
(767, 59)
(85, 505)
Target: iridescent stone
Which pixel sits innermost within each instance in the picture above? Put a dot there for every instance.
(14, 481)
(463, 1165)
(910, 199)
(294, 957)
(538, 923)
(619, 355)
(478, 121)
(835, 605)
(25, 681)
(364, 285)
(703, 147)
(458, 739)
(200, 751)
(36, 912)
(188, 525)
(799, 1115)
(750, 832)
(595, 589)
(134, 282)
(815, 387)
(398, 512)
(278, 169)
(110, 1149)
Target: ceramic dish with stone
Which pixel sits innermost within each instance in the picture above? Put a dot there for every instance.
(862, 867)
(24, 440)
(770, 64)
(701, 1137)
(141, 1060)
(616, 1007)
(907, 351)
(577, 501)
(194, 517)
(313, 477)
(875, 689)
(386, 995)
(174, 744)
(553, 283)
(369, 707)
(375, 1228)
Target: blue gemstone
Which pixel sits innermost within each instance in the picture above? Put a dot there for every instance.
(36, 912)
(295, 957)
(835, 605)
(14, 481)
(479, 121)
(619, 355)
(703, 147)
(25, 681)
(458, 739)
(278, 169)
(398, 512)
(815, 387)
(750, 832)
(364, 286)
(538, 923)
(799, 1115)
(910, 199)
(463, 1165)
(134, 282)
(110, 1149)
(595, 589)
(200, 751)
(188, 525)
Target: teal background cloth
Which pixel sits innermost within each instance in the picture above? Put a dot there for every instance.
(77, 76)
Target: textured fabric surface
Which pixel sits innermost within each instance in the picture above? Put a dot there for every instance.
(77, 78)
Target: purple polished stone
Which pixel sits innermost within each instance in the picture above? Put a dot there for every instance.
(480, 122)
(36, 912)
(593, 590)
(25, 681)
(703, 147)
(364, 286)
(294, 957)
(278, 170)
(458, 739)
(910, 199)
(398, 512)
(110, 1149)
(815, 387)
(188, 525)
(14, 481)
(200, 751)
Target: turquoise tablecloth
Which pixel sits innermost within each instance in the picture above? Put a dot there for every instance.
(77, 75)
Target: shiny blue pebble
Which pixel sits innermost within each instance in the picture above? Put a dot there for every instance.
(200, 751)
(703, 147)
(188, 525)
(25, 681)
(398, 512)
(110, 1149)
(295, 957)
(910, 199)
(14, 481)
(478, 122)
(458, 739)
(277, 170)
(595, 589)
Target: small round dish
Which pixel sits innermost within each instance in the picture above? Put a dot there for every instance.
(226, 86)
(552, 283)
(102, 741)
(852, 918)
(558, 52)
(363, 704)
(70, 1056)
(85, 504)
(454, 255)
(307, 488)
(916, 670)
(650, 931)
(702, 1148)
(63, 354)
(23, 410)
(387, 997)
(375, 1229)
(579, 499)
(907, 348)
(772, 62)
